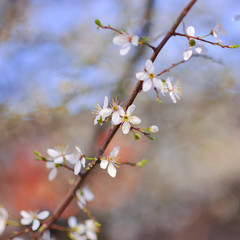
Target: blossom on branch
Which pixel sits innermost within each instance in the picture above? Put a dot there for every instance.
(153, 129)
(79, 160)
(29, 217)
(59, 154)
(126, 41)
(101, 114)
(148, 77)
(175, 91)
(53, 173)
(193, 47)
(80, 231)
(84, 196)
(110, 162)
(218, 30)
(3, 218)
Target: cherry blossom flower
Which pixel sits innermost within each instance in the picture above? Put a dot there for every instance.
(101, 114)
(59, 154)
(125, 118)
(3, 218)
(218, 30)
(79, 231)
(115, 105)
(33, 218)
(53, 173)
(79, 160)
(110, 162)
(153, 129)
(193, 48)
(126, 41)
(148, 77)
(84, 196)
(175, 91)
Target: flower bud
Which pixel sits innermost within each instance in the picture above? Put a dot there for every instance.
(153, 129)
(192, 42)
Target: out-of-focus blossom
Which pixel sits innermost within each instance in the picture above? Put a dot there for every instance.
(153, 129)
(218, 30)
(53, 173)
(3, 218)
(84, 196)
(175, 91)
(79, 160)
(59, 154)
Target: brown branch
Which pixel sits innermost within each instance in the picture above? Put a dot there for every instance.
(70, 195)
(170, 68)
(19, 233)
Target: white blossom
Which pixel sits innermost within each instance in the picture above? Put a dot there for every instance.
(175, 91)
(53, 173)
(29, 217)
(153, 129)
(80, 231)
(101, 113)
(115, 106)
(148, 77)
(126, 41)
(84, 196)
(79, 160)
(3, 218)
(193, 48)
(218, 30)
(59, 154)
(110, 162)
(125, 118)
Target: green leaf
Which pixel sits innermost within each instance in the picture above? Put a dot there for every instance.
(235, 46)
(142, 163)
(37, 153)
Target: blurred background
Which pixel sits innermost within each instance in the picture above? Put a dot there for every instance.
(55, 65)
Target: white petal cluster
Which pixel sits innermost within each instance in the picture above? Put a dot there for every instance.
(218, 30)
(29, 217)
(175, 91)
(148, 77)
(54, 170)
(110, 162)
(125, 118)
(101, 113)
(80, 231)
(78, 160)
(84, 196)
(59, 154)
(197, 48)
(3, 218)
(125, 41)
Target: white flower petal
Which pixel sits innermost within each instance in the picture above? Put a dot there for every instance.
(83, 161)
(135, 120)
(135, 40)
(149, 66)
(78, 149)
(116, 119)
(142, 76)
(105, 113)
(72, 222)
(147, 85)
(169, 83)
(115, 152)
(53, 152)
(105, 104)
(112, 170)
(158, 83)
(171, 94)
(125, 48)
(77, 167)
(126, 127)
(121, 111)
(35, 224)
(59, 160)
(200, 49)
(26, 221)
(103, 164)
(187, 53)
(71, 158)
(80, 204)
(25, 214)
(52, 174)
(130, 109)
(96, 119)
(191, 31)
(88, 194)
(120, 39)
(43, 215)
(50, 164)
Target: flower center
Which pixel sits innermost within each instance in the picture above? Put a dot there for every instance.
(125, 118)
(151, 75)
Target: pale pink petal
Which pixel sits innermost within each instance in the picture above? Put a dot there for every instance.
(191, 31)
(187, 53)
(53, 152)
(103, 164)
(120, 39)
(135, 40)
(147, 85)
(126, 127)
(112, 170)
(116, 119)
(43, 215)
(35, 225)
(125, 48)
(77, 167)
(149, 66)
(52, 174)
(135, 120)
(130, 109)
